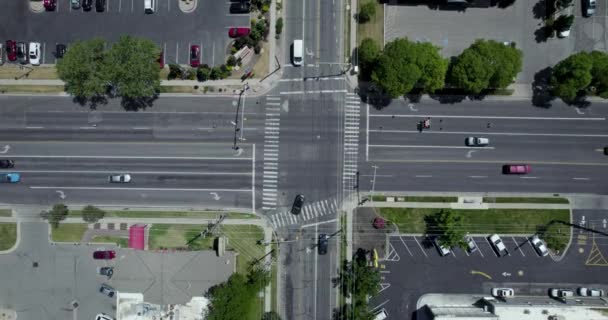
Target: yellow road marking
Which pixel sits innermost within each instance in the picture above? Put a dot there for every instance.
(596, 257)
(481, 274)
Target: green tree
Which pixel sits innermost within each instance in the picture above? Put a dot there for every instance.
(367, 12)
(237, 297)
(556, 235)
(82, 69)
(572, 75)
(367, 54)
(599, 73)
(132, 68)
(404, 65)
(563, 23)
(175, 71)
(92, 214)
(447, 224)
(278, 26)
(203, 72)
(57, 214)
(470, 72)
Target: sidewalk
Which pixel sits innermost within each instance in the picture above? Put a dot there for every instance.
(454, 205)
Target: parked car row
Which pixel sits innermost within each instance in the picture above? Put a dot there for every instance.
(553, 292)
(240, 6)
(496, 242)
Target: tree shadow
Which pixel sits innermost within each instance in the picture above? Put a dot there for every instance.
(542, 34)
(579, 102)
(541, 91)
(374, 96)
(138, 104)
(539, 10)
(448, 98)
(503, 4)
(92, 102)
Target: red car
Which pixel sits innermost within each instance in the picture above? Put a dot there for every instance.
(238, 32)
(11, 50)
(516, 168)
(161, 59)
(195, 56)
(50, 5)
(104, 255)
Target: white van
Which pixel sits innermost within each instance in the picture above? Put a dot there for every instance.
(149, 6)
(380, 314)
(298, 56)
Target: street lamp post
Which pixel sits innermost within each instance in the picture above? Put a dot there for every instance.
(374, 182)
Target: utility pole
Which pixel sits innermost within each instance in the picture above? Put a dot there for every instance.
(210, 229)
(374, 182)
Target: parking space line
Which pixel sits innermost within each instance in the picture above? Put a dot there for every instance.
(478, 248)
(212, 55)
(168, 6)
(132, 6)
(43, 52)
(492, 247)
(119, 5)
(108, 7)
(421, 249)
(176, 53)
(518, 246)
(408, 249)
(452, 251)
(466, 252)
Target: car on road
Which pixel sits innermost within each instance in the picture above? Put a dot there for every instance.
(590, 292)
(75, 4)
(516, 169)
(560, 293)
(107, 290)
(195, 56)
(443, 250)
(60, 50)
(6, 164)
(240, 7)
(22, 52)
(498, 245)
(539, 246)
(11, 50)
(103, 316)
(87, 5)
(34, 53)
(120, 178)
(503, 292)
(298, 202)
(477, 141)
(10, 177)
(50, 5)
(589, 8)
(100, 5)
(322, 244)
(104, 254)
(106, 271)
(238, 32)
(471, 245)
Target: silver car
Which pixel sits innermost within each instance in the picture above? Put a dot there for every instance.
(590, 292)
(539, 246)
(120, 178)
(589, 9)
(477, 141)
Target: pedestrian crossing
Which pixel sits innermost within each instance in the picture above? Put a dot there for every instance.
(310, 211)
(351, 143)
(271, 152)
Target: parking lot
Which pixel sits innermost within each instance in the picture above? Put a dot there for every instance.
(455, 30)
(171, 28)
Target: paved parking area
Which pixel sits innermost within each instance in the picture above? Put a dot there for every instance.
(456, 30)
(40, 280)
(169, 27)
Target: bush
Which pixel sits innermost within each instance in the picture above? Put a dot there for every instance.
(92, 214)
(215, 73)
(202, 73)
(279, 26)
(265, 8)
(556, 235)
(190, 74)
(231, 61)
(368, 11)
(258, 48)
(224, 71)
(175, 71)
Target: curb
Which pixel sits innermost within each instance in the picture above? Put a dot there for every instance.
(17, 240)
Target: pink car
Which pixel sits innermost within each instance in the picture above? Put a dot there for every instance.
(104, 255)
(516, 168)
(238, 32)
(195, 56)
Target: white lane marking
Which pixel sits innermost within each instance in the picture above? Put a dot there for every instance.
(140, 189)
(318, 223)
(87, 128)
(405, 245)
(423, 176)
(583, 179)
(302, 79)
(367, 136)
(518, 247)
(315, 91)
(142, 128)
(195, 173)
(529, 177)
(421, 249)
(253, 180)
(411, 106)
(470, 153)
(497, 133)
(428, 147)
(478, 177)
(486, 117)
(126, 157)
(34, 127)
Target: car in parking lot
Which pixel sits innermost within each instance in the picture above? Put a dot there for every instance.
(10, 177)
(588, 8)
(75, 4)
(11, 50)
(161, 59)
(34, 53)
(195, 56)
(106, 271)
(590, 292)
(471, 245)
(50, 5)
(380, 314)
(443, 250)
(120, 178)
(103, 316)
(498, 245)
(516, 168)
(22, 52)
(104, 254)
(1, 54)
(238, 32)
(5, 164)
(60, 50)
(240, 7)
(477, 141)
(503, 292)
(560, 293)
(539, 246)
(107, 290)
(100, 5)
(87, 5)
(322, 244)
(296, 208)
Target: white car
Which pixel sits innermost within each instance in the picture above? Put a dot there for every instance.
(539, 246)
(477, 141)
(34, 53)
(564, 34)
(498, 245)
(103, 316)
(503, 292)
(560, 293)
(120, 178)
(1, 54)
(590, 292)
(443, 250)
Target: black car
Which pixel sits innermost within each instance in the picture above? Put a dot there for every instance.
(6, 164)
(296, 208)
(323, 243)
(106, 271)
(100, 5)
(87, 5)
(240, 7)
(22, 52)
(60, 50)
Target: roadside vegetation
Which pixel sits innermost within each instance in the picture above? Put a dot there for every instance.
(8, 235)
(122, 242)
(555, 200)
(68, 232)
(168, 214)
(359, 282)
(415, 199)
(579, 75)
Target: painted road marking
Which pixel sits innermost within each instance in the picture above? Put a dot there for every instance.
(485, 117)
(405, 245)
(421, 249)
(518, 246)
(140, 189)
(596, 257)
(497, 133)
(483, 274)
(427, 146)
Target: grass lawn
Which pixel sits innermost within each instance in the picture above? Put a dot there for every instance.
(416, 199)
(68, 232)
(526, 200)
(8, 235)
(10, 71)
(6, 212)
(178, 89)
(122, 242)
(30, 89)
(374, 28)
(177, 236)
(523, 221)
(170, 214)
(244, 238)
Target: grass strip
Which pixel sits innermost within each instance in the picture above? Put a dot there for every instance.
(6, 212)
(170, 214)
(122, 242)
(526, 200)
(515, 221)
(30, 89)
(12, 71)
(374, 28)
(416, 199)
(68, 232)
(8, 235)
